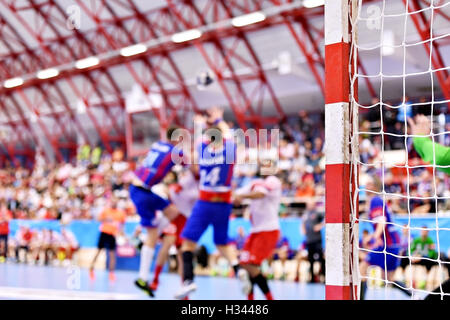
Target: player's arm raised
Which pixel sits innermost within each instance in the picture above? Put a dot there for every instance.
(216, 119)
(428, 150)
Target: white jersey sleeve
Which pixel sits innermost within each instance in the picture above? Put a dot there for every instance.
(185, 197)
(264, 211)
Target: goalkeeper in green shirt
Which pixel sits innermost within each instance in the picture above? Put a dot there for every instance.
(424, 145)
(423, 253)
(438, 155)
(424, 246)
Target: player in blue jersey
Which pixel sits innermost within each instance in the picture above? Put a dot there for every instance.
(216, 156)
(384, 241)
(159, 161)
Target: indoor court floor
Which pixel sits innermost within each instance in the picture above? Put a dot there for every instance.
(19, 281)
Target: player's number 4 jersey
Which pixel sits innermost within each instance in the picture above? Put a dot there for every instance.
(216, 170)
(158, 162)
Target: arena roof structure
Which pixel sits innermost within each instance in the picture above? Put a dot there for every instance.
(68, 67)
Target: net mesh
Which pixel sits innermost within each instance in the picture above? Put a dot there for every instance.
(397, 188)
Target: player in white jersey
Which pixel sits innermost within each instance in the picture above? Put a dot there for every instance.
(68, 244)
(265, 197)
(47, 241)
(183, 195)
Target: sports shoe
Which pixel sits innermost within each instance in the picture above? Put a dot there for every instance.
(112, 277)
(143, 285)
(154, 285)
(91, 274)
(187, 288)
(245, 281)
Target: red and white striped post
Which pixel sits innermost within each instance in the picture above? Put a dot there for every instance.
(337, 131)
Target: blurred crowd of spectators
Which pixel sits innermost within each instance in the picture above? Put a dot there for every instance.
(83, 188)
(43, 247)
(66, 191)
(80, 190)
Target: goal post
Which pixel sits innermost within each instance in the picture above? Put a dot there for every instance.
(339, 280)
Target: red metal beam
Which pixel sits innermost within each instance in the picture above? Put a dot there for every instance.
(220, 61)
(49, 18)
(162, 23)
(68, 49)
(423, 26)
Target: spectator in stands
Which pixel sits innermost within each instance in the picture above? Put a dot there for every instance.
(96, 156)
(5, 217)
(283, 253)
(405, 241)
(301, 256)
(305, 123)
(397, 142)
(68, 245)
(313, 223)
(84, 152)
(239, 241)
(47, 246)
(405, 110)
(365, 242)
(138, 238)
(306, 189)
(423, 252)
(435, 154)
(118, 155)
(316, 152)
(24, 237)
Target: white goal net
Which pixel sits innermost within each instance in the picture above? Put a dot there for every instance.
(399, 156)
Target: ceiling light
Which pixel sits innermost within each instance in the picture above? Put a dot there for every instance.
(186, 35)
(14, 82)
(313, 3)
(47, 73)
(247, 19)
(87, 63)
(133, 50)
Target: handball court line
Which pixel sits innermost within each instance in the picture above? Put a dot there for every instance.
(51, 294)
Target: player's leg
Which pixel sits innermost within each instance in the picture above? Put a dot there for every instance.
(187, 261)
(298, 260)
(3, 247)
(311, 260)
(220, 222)
(193, 230)
(171, 236)
(229, 253)
(259, 246)
(171, 212)
(100, 246)
(147, 203)
(187, 250)
(147, 253)
(94, 260)
(391, 265)
(111, 247)
(363, 266)
(163, 255)
(180, 223)
(322, 262)
(112, 264)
